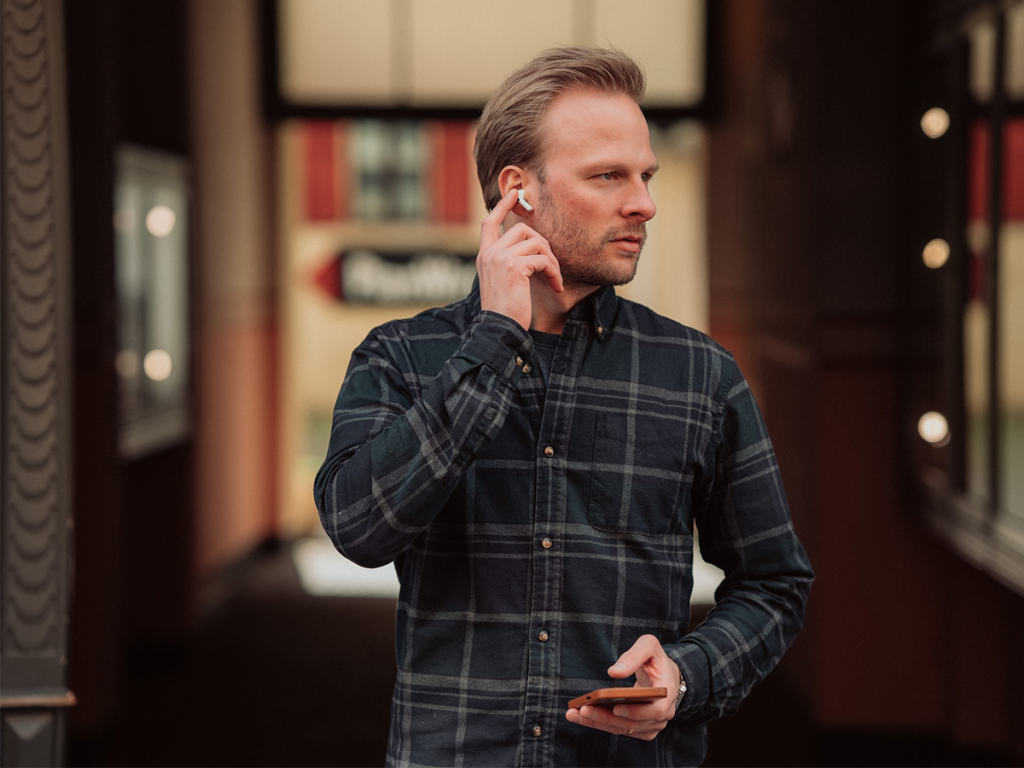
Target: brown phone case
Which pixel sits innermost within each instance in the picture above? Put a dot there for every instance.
(609, 697)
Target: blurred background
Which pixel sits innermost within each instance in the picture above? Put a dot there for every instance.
(208, 203)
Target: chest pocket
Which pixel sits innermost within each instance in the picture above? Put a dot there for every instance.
(638, 479)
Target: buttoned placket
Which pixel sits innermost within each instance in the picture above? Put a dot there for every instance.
(542, 704)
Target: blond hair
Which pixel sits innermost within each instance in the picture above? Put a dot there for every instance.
(509, 131)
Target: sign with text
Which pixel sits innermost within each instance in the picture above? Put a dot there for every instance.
(372, 276)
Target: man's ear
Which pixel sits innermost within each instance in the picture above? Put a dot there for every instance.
(511, 177)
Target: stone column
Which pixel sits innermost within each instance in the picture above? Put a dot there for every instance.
(35, 386)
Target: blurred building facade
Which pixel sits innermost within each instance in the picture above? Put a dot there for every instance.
(817, 189)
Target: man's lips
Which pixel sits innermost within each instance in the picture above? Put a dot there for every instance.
(631, 243)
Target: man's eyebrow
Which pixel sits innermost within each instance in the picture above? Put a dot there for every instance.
(598, 166)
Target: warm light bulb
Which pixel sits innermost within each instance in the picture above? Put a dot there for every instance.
(160, 221)
(935, 122)
(933, 428)
(936, 253)
(157, 364)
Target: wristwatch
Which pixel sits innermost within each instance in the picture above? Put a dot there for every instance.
(682, 690)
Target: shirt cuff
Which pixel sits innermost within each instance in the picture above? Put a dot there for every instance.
(498, 342)
(696, 670)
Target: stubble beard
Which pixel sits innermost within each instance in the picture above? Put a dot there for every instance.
(580, 254)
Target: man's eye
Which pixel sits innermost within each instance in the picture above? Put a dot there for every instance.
(646, 177)
(608, 176)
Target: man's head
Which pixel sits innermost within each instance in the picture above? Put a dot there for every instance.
(510, 128)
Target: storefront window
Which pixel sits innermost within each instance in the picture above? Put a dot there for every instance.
(1011, 323)
(978, 496)
(151, 224)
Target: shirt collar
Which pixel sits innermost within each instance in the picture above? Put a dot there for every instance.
(598, 310)
(606, 309)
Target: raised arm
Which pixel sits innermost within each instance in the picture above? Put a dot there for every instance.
(419, 401)
(402, 438)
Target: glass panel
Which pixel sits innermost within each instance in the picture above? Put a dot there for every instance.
(1011, 321)
(446, 53)
(1015, 52)
(977, 318)
(668, 34)
(333, 51)
(389, 161)
(151, 241)
(982, 63)
(454, 56)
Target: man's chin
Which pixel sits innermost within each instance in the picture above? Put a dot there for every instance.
(628, 264)
(604, 277)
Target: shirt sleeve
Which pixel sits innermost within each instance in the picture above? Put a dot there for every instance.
(397, 451)
(744, 527)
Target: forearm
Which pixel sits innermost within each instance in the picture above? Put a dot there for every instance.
(753, 623)
(397, 450)
(744, 527)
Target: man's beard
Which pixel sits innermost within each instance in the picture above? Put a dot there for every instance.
(580, 254)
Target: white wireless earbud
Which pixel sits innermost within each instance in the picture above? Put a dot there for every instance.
(522, 202)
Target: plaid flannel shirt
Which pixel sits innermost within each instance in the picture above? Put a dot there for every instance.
(539, 530)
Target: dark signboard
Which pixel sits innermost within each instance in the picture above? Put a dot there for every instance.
(373, 276)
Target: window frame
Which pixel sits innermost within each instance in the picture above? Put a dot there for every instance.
(277, 107)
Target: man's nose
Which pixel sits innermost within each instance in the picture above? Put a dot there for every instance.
(640, 205)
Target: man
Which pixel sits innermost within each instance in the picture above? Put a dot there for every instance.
(534, 458)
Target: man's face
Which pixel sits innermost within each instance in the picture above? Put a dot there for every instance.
(593, 201)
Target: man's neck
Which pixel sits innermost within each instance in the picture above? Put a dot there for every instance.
(551, 309)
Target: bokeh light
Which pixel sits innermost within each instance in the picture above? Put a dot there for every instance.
(935, 122)
(157, 364)
(936, 253)
(160, 221)
(933, 428)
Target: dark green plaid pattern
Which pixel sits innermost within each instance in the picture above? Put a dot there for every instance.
(539, 531)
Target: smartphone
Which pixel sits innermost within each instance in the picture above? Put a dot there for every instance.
(609, 697)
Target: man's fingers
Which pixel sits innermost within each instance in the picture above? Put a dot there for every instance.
(602, 719)
(646, 647)
(653, 712)
(507, 261)
(490, 227)
(554, 275)
(530, 241)
(532, 263)
(653, 668)
(522, 250)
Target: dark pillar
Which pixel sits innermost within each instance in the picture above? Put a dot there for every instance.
(35, 418)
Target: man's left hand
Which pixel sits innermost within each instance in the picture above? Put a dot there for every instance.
(652, 667)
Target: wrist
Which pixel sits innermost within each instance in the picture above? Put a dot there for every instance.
(680, 692)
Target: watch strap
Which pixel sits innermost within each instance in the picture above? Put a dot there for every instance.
(682, 691)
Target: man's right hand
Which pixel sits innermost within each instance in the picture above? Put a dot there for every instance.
(506, 262)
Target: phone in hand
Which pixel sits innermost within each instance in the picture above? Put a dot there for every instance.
(609, 697)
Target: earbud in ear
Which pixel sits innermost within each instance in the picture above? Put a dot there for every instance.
(522, 202)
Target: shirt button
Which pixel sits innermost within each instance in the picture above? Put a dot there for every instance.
(549, 451)
(543, 636)
(546, 543)
(519, 360)
(527, 368)
(536, 731)
(600, 330)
